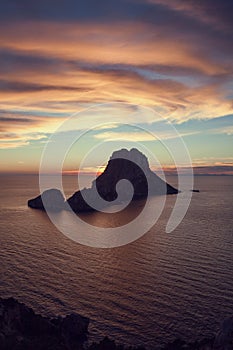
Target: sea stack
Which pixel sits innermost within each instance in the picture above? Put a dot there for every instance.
(123, 165)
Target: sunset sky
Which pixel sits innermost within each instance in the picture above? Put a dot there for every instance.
(61, 57)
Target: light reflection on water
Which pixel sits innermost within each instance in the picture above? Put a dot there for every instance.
(151, 291)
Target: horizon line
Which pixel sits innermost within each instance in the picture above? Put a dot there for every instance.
(205, 170)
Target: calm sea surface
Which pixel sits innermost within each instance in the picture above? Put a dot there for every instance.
(149, 292)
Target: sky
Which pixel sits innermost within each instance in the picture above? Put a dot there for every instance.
(132, 65)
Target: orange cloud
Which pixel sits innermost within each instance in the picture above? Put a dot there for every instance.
(119, 43)
(80, 64)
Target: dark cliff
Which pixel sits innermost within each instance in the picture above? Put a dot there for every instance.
(22, 329)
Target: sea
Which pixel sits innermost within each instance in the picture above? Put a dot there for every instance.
(149, 292)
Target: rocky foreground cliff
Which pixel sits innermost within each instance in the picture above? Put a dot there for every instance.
(22, 329)
(123, 165)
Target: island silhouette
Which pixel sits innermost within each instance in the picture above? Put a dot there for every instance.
(108, 188)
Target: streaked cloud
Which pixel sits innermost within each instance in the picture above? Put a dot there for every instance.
(213, 12)
(127, 136)
(139, 136)
(60, 58)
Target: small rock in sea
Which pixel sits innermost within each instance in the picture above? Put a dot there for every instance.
(52, 199)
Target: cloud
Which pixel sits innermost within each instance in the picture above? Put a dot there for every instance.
(214, 12)
(17, 130)
(228, 130)
(62, 66)
(58, 58)
(72, 10)
(21, 86)
(107, 126)
(132, 43)
(126, 136)
(139, 136)
(15, 140)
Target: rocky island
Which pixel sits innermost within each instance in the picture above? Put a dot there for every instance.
(123, 165)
